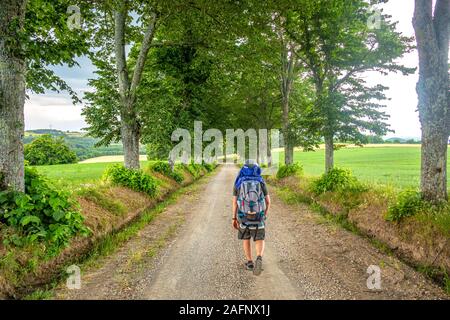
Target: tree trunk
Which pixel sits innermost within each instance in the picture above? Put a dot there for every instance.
(287, 78)
(433, 183)
(288, 148)
(432, 34)
(269, 155)
(289, 151)
(12, 97)
(329, 153)
(259, 158)
(130, 139)
(130, 127)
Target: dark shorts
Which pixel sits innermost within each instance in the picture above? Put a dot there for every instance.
(245, 234)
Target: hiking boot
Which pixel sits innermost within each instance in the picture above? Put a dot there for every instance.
(249, 265)
(258, 266)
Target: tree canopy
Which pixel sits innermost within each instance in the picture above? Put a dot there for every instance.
(294, 65)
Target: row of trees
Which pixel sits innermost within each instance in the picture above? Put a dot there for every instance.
(293, 64)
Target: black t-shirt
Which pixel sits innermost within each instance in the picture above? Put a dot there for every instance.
(263, 188)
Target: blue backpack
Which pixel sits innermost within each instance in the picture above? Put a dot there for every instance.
(251, 200)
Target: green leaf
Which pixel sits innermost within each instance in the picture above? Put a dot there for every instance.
(58, 215)
(29, 219)
(35, 236)
(55, 202)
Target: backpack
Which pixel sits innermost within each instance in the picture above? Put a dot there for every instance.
(251, 203)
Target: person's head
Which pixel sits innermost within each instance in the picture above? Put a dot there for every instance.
(251, 163)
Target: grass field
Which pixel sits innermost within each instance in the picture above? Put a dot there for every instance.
(397, 166)
(77, 173)
(109, 159)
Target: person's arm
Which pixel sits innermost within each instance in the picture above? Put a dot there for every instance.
(234, 221)
(267, 199)
(234, 207)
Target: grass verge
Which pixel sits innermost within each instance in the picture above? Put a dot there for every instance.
(334, 208)
(111, 242)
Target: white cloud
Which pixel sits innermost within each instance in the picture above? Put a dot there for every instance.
(44, 112)
(55, 110)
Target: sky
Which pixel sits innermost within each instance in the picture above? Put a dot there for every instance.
(56, 111)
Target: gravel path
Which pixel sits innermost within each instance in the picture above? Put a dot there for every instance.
(200, 257)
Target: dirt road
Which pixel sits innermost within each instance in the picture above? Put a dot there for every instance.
(201, 257)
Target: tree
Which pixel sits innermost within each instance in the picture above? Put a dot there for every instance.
(251, 87)
(288, 67)
(130, 126)
(102, 107)
(270, 43)
(132, 114)
(12, 95)
(112, 112)
(288, 72)
(175, 87)
(336, 46)
(258, 96)
(47, 150)
(432, 35)
(25, 52)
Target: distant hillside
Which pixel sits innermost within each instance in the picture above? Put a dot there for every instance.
(82, 144)
(401, 140)
(44, 131)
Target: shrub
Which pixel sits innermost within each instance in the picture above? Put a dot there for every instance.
(165, 169)
(208, 166)
(289, 170)
(336, 180)
(47, 150)
(408, 203)
(131, 178)
(43, 212)
(194, 169)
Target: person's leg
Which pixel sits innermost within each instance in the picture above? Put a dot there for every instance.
(247, 249)
(259, 245)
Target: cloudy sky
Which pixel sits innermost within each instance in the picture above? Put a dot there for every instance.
(53, 110)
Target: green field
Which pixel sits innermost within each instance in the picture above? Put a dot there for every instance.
(397, 166)
(77, 173)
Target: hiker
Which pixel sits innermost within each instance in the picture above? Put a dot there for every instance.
(251, 203)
